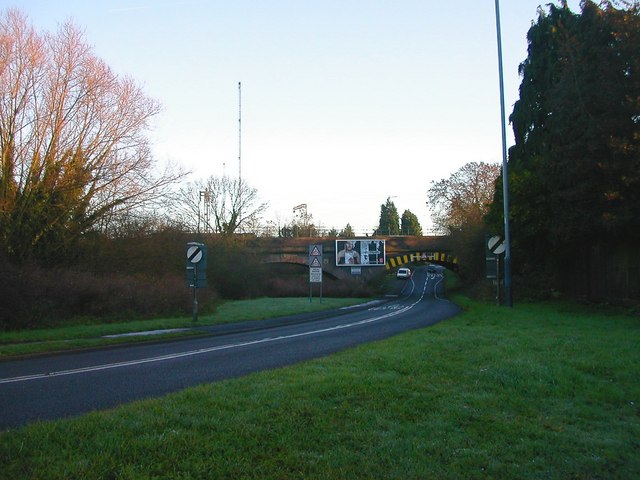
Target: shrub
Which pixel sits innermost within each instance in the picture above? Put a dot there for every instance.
(37, 297)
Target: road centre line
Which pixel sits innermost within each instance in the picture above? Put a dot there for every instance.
(173, 356)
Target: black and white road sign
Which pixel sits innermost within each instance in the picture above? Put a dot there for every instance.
(194, 253)
(315, 263)
(196, 256)
(496, 245)
(315, 275)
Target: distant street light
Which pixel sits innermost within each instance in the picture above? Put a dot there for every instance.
(204, 194)
(505, 175)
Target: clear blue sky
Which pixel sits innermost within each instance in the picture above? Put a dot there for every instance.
(344, 103)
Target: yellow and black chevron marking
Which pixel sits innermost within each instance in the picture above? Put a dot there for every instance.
(440, 257)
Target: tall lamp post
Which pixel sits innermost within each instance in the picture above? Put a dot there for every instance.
(204, 194)
(505, 175)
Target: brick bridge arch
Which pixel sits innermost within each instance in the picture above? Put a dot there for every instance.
(328, 265)
(399, 251)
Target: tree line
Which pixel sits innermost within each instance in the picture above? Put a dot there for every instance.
(90, 223)
(574, 171)
(76, 163)
(76, 159)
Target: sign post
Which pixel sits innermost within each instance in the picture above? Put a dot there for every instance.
(196, 254)
(315, 269)
(495, 247)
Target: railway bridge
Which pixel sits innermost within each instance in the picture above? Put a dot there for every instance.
(400, 250)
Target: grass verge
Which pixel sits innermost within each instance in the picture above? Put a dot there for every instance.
(537, 391)
(24, 342)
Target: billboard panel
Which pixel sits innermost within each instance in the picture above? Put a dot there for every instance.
(365, 252)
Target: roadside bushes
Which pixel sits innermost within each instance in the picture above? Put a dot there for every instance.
(288, 280)
(143, 274)
(234, 270)
(36, 297)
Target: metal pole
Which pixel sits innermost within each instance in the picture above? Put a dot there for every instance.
(240, 226)
(199, 200)
(505, 174)
(195, 295)
(498, 280)
(240, 132)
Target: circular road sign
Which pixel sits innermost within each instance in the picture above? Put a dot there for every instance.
(194, 254)
(496, 245)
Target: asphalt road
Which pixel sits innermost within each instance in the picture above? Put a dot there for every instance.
(59, 386)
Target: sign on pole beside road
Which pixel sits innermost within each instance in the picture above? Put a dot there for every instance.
(496, 245)
(315, 263)
(196, 254)
(315, 275)
(315, 268)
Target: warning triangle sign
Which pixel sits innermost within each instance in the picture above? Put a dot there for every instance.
(315, 252)
(315, 263)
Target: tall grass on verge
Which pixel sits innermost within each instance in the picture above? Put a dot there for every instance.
(537, 391)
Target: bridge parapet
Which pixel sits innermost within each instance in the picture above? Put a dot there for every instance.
(394, 244)
(399, 251)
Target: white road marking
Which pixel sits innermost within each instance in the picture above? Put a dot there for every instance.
(162, 358)
(147, 332)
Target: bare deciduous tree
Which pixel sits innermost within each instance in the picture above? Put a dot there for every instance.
(464, 198)
(222, 205)
(72, 135)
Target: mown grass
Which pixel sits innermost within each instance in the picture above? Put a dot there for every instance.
(90, 334)
(533, 392)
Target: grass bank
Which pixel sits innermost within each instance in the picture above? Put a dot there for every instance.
(537, 391)
(91, 334)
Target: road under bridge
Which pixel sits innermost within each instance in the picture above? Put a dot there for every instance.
(400, 250)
